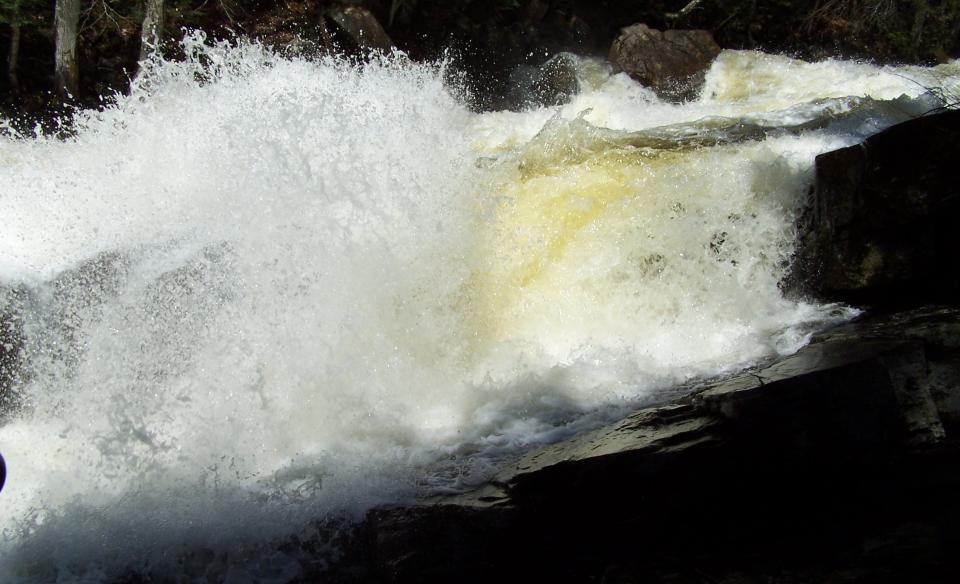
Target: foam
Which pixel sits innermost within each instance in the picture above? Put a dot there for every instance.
(266, 291)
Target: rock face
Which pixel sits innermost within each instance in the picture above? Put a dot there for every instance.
(671, 62)
(838, 464)
(884, 215)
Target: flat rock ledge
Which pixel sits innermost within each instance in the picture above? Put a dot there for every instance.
(837, 464)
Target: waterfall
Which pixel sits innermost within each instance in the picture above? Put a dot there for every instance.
(260, 293)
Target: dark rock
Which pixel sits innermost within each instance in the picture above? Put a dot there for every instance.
(429, 544)
(672, 63)
(836, 464)
(554, 82)
(535, 10)
(356, 29)
(881, 227)
(306, 48)
(487, 43)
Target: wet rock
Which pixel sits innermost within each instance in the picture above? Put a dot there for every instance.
(849, 399)
(672, 63)
(355, 29)
(556, 81)
(835, 464)
(553, 83)
(880, 229)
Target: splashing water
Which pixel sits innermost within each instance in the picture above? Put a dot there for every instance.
(260, 291)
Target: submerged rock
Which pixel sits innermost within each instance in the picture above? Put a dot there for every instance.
(672, 63)
(836, 464)
(883, 217)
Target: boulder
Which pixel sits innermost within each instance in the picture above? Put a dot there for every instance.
(355, 29)
(880, 229)
(672, 63)
(554, 82)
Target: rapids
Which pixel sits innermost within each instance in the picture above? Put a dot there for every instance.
(261, 293)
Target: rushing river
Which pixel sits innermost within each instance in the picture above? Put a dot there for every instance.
(260, 292)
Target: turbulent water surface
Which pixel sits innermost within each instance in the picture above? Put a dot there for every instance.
(261, 292)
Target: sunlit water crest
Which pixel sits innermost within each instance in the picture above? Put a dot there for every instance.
(260, 292)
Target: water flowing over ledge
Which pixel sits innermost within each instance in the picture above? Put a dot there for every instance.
(263, 291)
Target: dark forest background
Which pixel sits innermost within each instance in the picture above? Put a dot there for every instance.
(488, 36)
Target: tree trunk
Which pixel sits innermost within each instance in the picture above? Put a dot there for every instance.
(66, 71)
(12, 57)
(152, 30)
(916, 31)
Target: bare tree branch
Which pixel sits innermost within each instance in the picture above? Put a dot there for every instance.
(685, 10)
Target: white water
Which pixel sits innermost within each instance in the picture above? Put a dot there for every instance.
(263, 292)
